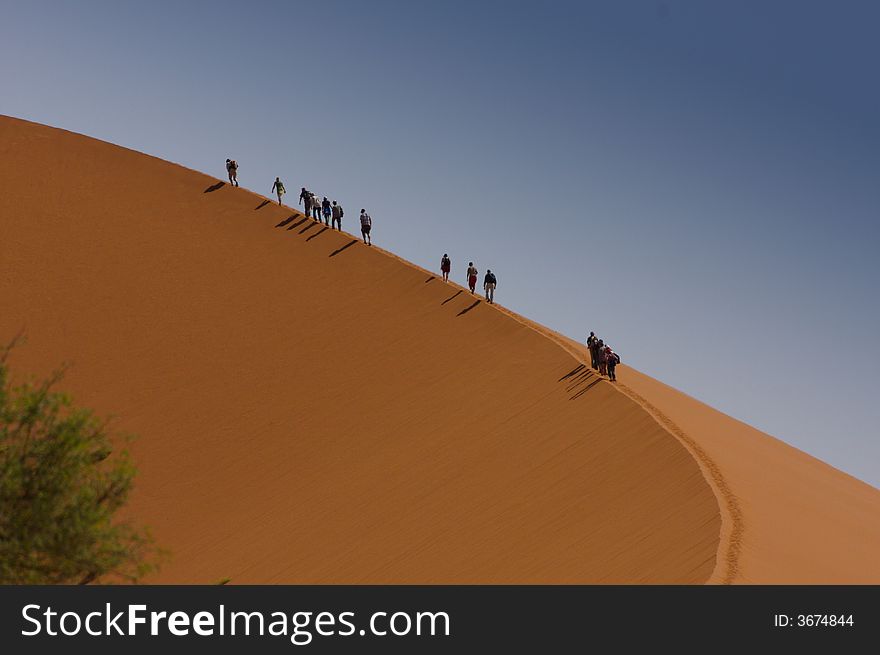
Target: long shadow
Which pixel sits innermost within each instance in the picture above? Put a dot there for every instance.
(317, 234)
(429, 279)
(570, 373)
(214, 187)
(346, 246)
(298, 223)
(467, 309)
(261, 205)
(586, 389)
(307, 228)
(575, 382)
(452, 297)
(286, 220)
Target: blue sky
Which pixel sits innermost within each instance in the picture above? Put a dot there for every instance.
(695, 181)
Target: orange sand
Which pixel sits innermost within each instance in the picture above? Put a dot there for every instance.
(311, 410)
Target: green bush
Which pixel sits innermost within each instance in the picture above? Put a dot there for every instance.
(60, 485)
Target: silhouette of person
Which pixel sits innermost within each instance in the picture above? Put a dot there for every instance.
(366, 226)
(592, 342)
(472, 273)
(278, 186)
(445, 266)
(489, 283)
(316, 208)
(611, 361)
(325, 209)
(336, 214)
(305, 199)
(232, 170)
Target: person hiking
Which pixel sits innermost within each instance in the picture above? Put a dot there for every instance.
(316, 208)
(600, 357)
(366, 226)
(489, 283)
(472, 273)
(305, 199)
(592, 343)
(325, 209)
(612, 359)
(336, 214)
(232, 170)
(445, 267)
(279, 187)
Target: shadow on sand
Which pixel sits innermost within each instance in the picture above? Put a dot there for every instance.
(262, 204)
(317, 234)
(467, 309)
(346, 246)
(214, 187)
(452, 297)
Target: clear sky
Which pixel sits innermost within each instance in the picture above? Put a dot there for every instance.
(695, 181)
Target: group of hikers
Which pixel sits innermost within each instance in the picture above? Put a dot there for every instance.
(602, 358)
(321, 207)
(489, 281)
(313, 204)
(332, 212)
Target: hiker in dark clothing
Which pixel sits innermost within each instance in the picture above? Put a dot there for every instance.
(336, 213)
(612, 359)
(489, 283)
(232, 170)
(305, 199)
(592, 343)
(325, 209)
(279, 187)
(445, 267)
(366, 226)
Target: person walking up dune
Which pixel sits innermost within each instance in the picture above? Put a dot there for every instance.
(325, 209)
(489, 283)
(232, 170)
(592, 343)
(278, 187)
(612, 359)
(305, 199)
(366, 227)
(600, 357)
(337, 214)
(472, 273)
(316, 208)
(445, 266)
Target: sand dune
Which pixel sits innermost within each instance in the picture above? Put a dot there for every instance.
(311, 410)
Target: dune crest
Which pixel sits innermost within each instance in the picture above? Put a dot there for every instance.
(311, 410)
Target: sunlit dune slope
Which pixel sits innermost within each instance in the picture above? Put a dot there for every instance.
(311, 410)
